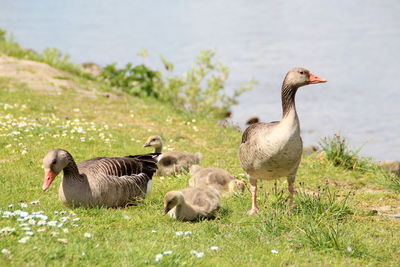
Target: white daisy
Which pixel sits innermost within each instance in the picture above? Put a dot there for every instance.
(158, 257)
(87, 235)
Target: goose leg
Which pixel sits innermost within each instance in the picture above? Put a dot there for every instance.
(291, 180)
(254, 208)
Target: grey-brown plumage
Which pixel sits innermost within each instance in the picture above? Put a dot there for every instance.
(224, 182)
(171, 162)
(102, 181)
(191, 203)
(273, 150)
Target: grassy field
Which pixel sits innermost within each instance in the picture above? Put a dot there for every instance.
(336, 219)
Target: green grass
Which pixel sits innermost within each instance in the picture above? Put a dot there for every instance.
(330, 224)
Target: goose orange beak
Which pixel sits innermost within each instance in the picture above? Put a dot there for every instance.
(49, 176)
(316, 79)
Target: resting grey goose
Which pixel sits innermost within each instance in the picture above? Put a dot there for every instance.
(102, 181)
(272, 150)
(217, 178)
(191, 204)
(171, 162)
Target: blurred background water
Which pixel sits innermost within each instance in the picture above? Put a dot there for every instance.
(355, 45)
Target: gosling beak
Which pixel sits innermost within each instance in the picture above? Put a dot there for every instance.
(147, 144)
(49, 176)
(316, 79)
(165, 211)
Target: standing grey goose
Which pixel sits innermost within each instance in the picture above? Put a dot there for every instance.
(272, 150)
(217, 178)
(191, 204)
(102, 181)
(171, 162)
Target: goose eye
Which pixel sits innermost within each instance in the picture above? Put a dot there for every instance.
(302, 72)
(54, 162)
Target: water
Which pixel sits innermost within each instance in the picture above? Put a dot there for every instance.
(353, 44)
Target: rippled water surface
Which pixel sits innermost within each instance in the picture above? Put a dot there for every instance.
(355, 45)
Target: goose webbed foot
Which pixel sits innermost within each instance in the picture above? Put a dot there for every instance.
(253, 210)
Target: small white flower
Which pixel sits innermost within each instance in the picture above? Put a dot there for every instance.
(23, 240)
(349, 249)
(87, 235)
(197, 254)
(29, 233)
(72, 213)
(23, 214)
(153, 231)
(11, 205)
(52, 223)
(41, 230)
(60, 225)
(5, 251)
(126, 217)
(23, 205)
(41, 222)
(83, 253)
(63, 219)
(158, 257)
(32, 221)
(26, 228)
(55, 212)
(24, 152)
(200, 254)
(179, 233)
(8, 146)
(274, 251)
(214, 248)
(24, 225)
(188, 233)
(65, 230)
(75, 219)
(167, 252)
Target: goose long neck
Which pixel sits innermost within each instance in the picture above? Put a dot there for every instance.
(158, 149)
(288, 99)
(71, 170)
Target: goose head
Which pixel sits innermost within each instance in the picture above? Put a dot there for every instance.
(298, 77)
(171, 200)
(53, 163)
(154, 141)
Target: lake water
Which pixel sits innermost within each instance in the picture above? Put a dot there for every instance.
(355, 45)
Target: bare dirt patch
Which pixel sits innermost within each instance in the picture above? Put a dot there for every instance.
(35, 75)
(389, 211)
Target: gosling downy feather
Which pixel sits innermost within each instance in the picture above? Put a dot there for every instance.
(191, 203)
(217, 178)
(171, 162)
